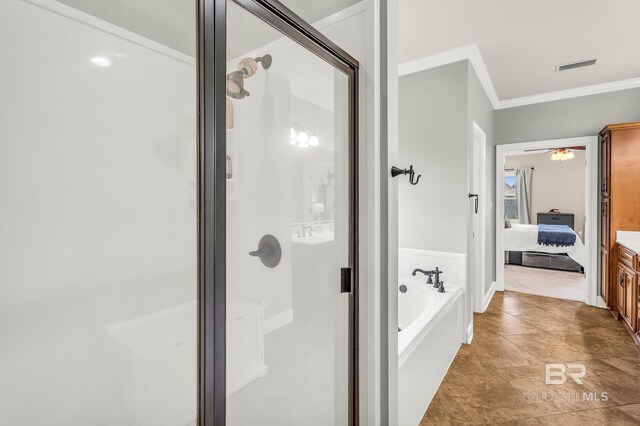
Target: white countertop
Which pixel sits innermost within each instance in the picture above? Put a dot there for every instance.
(629, 239)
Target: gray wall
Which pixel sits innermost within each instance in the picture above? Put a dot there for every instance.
(481, 111)
(567, 118)
(436, 109)
(583, 116)
(433, 136)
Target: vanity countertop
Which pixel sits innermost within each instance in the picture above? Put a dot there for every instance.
(629, 239)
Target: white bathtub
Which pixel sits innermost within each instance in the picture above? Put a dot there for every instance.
(432, 327)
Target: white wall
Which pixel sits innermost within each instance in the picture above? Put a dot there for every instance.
(555, 184)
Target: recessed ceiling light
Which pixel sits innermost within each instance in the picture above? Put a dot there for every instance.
(100, 61)
(578, 64)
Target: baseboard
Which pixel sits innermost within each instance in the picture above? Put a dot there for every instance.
(600, 303)
(279, 320)
(237, 383)
(469, 334)
(488, 296)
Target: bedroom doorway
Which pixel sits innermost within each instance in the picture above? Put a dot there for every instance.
(559, 181)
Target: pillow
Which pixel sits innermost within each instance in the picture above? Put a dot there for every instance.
(507, 224)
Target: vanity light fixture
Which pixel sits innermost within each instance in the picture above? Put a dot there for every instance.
(299, 136)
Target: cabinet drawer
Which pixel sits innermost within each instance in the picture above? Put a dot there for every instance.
(627, 257)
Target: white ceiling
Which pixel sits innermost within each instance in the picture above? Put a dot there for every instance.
(522, 41)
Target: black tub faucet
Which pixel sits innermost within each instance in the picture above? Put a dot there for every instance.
(437, 273)
(429, 274)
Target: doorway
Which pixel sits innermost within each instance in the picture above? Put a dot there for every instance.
(279, 232)
(586, 255)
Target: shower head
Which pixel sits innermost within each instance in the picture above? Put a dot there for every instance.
(265, 60)
(249, 66)
(245, 68)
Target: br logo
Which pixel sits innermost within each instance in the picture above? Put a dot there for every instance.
(556, 374)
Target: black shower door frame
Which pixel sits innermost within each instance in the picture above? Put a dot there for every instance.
(211, 58)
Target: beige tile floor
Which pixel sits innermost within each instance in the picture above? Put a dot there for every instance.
(545, 282)
(500, 377)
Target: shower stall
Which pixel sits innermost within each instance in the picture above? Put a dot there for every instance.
(178, 236)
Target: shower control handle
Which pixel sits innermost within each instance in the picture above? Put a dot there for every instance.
(269, 251)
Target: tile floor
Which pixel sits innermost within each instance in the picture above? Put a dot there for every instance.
(545, 282)
(500, 377)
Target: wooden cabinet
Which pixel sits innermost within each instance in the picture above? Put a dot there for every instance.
(627, 304)
(626, 289)
(604, 275)
(604, 219)
(620, 204)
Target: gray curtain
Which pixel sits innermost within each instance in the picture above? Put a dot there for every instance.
(523, 195)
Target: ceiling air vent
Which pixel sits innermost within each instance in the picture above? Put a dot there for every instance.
(579, 64)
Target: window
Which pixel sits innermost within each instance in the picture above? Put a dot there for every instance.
(510, 204)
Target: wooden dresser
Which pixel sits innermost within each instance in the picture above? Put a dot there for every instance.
(620, 211)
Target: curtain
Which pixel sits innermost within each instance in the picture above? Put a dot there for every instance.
(523, 195)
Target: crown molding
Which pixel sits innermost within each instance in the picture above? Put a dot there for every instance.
(577, 92)
(470, 53)
(473, 55)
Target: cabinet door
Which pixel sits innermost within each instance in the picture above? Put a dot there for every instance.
(620, 282)
(630, 279)
(637, 299)
(604, 276)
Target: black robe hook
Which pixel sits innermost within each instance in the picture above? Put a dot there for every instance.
(395, 171)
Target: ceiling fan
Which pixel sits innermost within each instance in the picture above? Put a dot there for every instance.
(565, 153)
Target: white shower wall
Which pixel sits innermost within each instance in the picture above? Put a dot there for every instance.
(98, 224)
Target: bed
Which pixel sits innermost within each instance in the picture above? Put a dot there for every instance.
(524, 238)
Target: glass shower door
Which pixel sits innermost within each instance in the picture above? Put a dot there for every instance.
(288, 230)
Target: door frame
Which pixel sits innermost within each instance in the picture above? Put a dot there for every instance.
(591, 207)
(478, 177)
(212, 191)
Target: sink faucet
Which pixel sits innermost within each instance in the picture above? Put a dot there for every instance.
(304, 231)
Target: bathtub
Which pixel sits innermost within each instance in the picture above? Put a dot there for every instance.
(431, 331)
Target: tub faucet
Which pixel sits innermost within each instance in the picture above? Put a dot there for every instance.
(429, 274)
(437, 273)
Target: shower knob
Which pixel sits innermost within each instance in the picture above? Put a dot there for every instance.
(269, 251)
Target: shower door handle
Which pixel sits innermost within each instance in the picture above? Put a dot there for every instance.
(345, 280)
(476, 205)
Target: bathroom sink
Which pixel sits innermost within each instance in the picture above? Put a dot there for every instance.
(325, 237)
